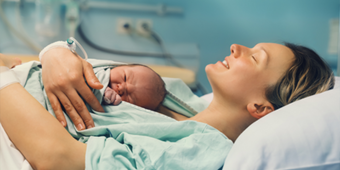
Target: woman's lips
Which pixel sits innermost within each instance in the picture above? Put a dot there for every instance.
(226, 64)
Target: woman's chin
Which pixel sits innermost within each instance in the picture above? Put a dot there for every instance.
(208, 68)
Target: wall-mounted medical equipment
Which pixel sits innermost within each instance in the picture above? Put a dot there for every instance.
(48, 13)
(160, 9)
(53, 17)
(47, 20)
(48, 17)
(19, 31)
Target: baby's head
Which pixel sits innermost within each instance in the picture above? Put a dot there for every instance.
(139, 85)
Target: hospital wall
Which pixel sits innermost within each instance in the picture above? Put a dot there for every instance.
(205, 30)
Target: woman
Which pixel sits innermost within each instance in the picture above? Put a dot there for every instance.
(243, 86)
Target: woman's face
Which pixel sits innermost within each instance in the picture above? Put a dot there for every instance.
(244, 75)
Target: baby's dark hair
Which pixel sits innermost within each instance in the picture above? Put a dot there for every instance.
(160, 90)
(159, 87)
(307, 75)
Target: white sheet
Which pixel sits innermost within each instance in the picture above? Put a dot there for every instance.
(10, 156)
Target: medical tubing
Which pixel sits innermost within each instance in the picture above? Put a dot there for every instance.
(72, 29)
(158, 39)
(81, 47)
(63, 44)
(113, 51)
(7, 77)
(166, 55)
(169, 56)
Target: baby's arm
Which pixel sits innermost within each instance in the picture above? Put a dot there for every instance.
(111, 97)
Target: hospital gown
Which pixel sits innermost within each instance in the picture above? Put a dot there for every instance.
(130, 137)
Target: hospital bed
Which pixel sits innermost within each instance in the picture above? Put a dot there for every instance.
(303, 135)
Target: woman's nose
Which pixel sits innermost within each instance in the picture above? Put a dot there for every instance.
(234, 50)
(237, 50)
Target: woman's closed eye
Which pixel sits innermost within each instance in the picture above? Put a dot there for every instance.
(254, 58)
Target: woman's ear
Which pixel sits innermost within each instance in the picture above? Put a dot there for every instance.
(259, 110)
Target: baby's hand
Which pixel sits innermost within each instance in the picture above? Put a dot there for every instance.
(111, 97)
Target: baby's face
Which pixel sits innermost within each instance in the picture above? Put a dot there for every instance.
(134, 84)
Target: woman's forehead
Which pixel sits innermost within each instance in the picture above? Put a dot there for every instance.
(275, 49)
(279, 59)
(277, 53)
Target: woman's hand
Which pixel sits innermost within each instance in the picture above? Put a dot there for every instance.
(63, 77)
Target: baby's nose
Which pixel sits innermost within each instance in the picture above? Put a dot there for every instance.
(120, 89)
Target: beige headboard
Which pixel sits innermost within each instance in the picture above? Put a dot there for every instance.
(188, 76)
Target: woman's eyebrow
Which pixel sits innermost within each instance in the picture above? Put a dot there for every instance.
(266, 56)
(263, 49)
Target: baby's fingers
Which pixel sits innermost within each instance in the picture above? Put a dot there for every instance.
(108, 95)
(111, 97)
(117, 99)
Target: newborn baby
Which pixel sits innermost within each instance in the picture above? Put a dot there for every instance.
(136, 84)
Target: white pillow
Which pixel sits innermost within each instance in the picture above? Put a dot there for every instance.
(208, 97)
(303, 135)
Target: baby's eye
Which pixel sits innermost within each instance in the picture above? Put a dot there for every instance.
(125, 78)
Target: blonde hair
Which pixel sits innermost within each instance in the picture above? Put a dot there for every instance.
(308, 75)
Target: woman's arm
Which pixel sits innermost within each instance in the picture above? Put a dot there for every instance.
(36, 133)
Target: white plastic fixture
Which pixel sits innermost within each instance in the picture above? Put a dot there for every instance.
(140, 29)
(124, 25)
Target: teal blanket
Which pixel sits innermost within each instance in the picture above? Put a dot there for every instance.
(130, 137)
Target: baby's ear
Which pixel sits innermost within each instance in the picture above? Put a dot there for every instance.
(258, 110)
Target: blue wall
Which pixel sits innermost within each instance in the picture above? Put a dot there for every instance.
(211, 25)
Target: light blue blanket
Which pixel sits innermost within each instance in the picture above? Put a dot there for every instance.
(130, 137)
